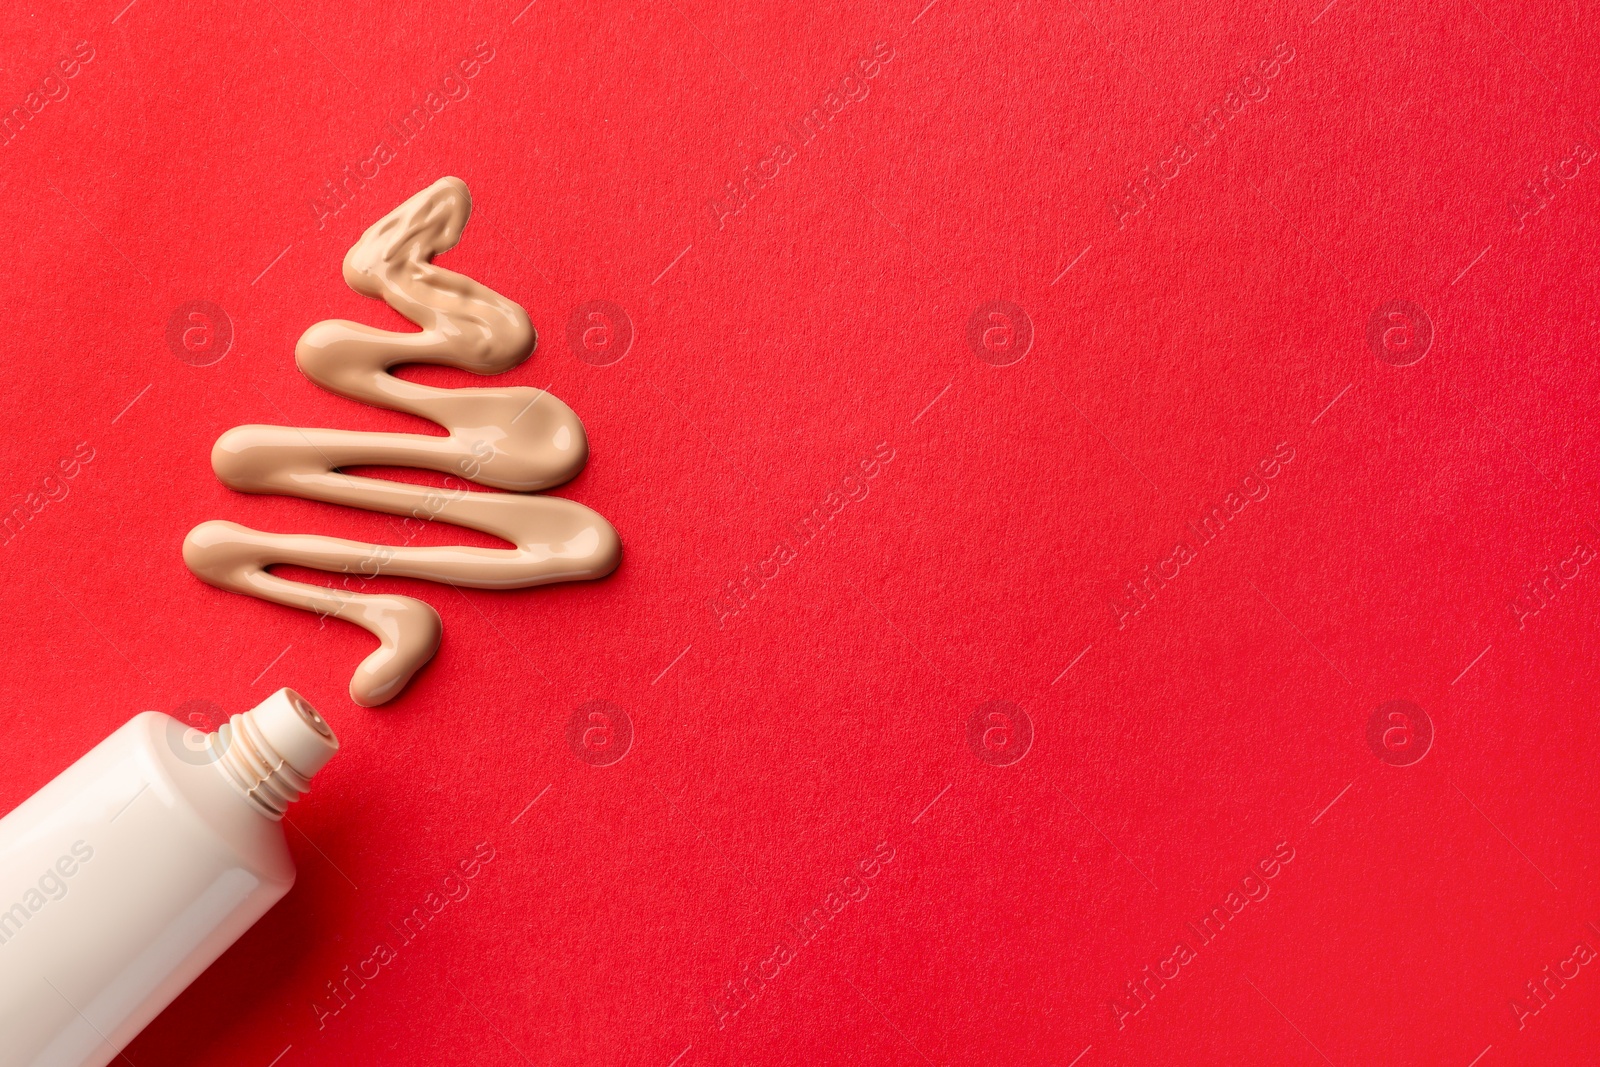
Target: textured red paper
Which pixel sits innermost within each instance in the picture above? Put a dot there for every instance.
(817, 792)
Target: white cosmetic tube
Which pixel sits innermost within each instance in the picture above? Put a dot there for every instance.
(134, 869)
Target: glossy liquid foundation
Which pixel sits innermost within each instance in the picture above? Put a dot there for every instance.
(511, 438)
(126, 876)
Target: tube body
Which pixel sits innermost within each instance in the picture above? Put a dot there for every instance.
(128, 875)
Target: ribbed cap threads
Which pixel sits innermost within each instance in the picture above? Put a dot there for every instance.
(271, 751)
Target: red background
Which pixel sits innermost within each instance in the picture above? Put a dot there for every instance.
(773, 754)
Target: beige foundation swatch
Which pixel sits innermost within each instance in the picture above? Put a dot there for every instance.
(516, 438)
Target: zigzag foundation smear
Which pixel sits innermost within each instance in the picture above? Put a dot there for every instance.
(516, 439)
